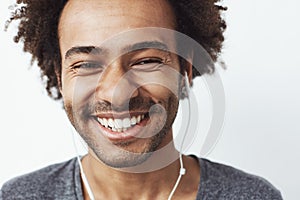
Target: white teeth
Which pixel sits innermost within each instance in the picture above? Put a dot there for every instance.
(126, 123)
(105, 122)
(133, 121)
(111, 122)
(120, 125)
(138, 119)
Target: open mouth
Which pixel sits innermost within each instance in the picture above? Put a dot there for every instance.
(119, 125)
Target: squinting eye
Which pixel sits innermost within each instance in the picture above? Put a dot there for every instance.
(149, 61)
(148, 65)
(87, 68)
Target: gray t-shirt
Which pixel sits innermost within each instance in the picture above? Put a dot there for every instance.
(62, 182)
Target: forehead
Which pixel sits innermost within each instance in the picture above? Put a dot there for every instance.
(90, 22)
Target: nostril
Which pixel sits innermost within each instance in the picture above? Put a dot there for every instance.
(117, 88)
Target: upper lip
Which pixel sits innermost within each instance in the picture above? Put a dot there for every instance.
(120, 115)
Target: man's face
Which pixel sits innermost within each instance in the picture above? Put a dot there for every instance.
(119, 82)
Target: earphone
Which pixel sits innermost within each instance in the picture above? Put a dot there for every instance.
(83, 176)
(182, 170)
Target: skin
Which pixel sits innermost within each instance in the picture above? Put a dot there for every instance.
(107, 91)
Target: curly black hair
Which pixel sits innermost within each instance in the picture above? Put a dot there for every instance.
(38, 30)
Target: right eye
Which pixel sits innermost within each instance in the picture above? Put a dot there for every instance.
(87, 68)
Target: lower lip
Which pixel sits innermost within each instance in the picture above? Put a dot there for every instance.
(130, 133)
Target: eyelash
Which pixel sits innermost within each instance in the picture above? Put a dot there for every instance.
(90, 67)
(149, 61)
(86, 65)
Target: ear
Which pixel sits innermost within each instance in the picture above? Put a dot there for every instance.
(187, 74)
(189, 67)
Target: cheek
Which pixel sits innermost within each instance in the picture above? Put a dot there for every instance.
(160, 93)
(163, 82)
(77, 90)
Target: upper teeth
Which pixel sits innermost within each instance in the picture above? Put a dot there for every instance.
(120, 124)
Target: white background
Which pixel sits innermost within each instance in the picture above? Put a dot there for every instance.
(261, 133)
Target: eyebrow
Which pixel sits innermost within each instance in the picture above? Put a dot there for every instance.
(83, 50)
(129, 48)
(146, 45)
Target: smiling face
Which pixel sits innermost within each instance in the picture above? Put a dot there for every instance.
(119, 78)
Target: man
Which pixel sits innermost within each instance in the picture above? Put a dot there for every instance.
(120, 69)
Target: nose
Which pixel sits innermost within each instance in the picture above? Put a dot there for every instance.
(116, 85)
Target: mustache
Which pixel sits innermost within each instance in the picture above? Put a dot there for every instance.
(133, 104)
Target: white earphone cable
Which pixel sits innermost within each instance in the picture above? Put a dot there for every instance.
(83, 176)
(181, 173)
(182, 170)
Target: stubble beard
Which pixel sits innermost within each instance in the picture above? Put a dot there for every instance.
(121, 157)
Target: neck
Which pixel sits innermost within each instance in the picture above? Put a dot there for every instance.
(154, 179)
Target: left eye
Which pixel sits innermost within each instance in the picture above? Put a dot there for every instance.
(149, 61)
(148, 65)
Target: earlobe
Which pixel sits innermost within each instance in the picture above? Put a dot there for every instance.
(189, 68)
(184, 89)
(187, 78)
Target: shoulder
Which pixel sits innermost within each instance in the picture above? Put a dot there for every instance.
(225, 182)
(38, 184)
